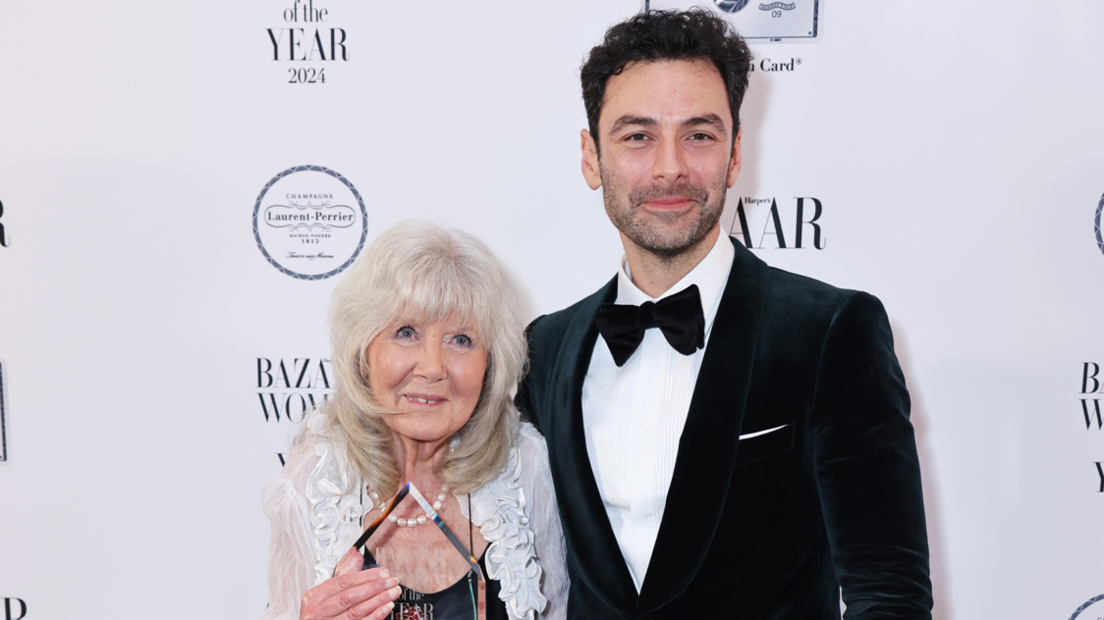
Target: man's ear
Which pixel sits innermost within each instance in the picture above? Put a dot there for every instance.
(591, 172)
(736, 161)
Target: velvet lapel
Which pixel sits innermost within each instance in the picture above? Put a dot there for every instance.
(591, 537)
(707, 448)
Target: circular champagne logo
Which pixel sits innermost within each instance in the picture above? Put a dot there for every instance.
(1090, 603)
(730, 6)
(310, 222)
(1099, 239)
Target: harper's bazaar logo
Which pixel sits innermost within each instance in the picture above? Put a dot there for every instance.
(290, 387)
(310, 222)
(1092, 383)
(315, 40)
(771, 223)
(1095, 614)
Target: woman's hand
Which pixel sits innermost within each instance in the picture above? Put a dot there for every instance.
(351, 593)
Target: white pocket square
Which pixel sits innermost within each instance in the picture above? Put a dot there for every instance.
(758, 433)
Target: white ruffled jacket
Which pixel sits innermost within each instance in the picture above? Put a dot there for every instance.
(314, 523)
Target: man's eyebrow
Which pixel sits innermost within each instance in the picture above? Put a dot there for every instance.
(632, 120)
(708, 119)
(646, 121)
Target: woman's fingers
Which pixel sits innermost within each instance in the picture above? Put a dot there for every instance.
(336, 597)
(331, 586)
(378, 607)
(370, 600)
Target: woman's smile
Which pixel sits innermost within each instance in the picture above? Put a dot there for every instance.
(423, 399)
(433, 369)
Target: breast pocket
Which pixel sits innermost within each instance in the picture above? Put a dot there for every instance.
(758, 445)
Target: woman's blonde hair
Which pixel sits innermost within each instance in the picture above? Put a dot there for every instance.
(420, 272)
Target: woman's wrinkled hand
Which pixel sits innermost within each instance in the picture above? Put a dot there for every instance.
(351, 593)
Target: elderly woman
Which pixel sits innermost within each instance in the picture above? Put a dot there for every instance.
(427, 350)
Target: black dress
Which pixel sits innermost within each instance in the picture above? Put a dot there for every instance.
(452, 603)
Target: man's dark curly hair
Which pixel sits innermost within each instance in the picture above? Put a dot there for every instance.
(654, 36)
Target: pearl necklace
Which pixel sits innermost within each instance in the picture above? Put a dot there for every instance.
(412, 522)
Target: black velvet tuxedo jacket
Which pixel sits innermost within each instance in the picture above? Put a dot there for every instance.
(761, 527)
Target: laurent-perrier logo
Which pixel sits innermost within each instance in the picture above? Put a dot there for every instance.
(1099, 238)
(1095, 614)
(310, 222)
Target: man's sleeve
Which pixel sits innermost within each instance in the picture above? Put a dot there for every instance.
(868, 474)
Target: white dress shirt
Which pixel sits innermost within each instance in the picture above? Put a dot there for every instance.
(633, 416)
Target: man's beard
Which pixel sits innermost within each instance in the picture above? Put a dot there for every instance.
(647, 230)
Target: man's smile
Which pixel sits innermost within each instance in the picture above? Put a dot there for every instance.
(673, 203)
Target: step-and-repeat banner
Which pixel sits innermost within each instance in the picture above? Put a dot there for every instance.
(181, 185)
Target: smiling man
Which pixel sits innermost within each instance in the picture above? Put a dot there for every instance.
(726, 439)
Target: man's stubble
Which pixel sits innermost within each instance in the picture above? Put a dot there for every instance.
(666, 236)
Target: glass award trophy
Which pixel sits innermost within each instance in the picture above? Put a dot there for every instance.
(459, 601)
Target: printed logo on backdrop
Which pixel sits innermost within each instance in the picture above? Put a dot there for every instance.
(1096, 613)
(1099, 238)
(1092, 384)
(310, 222)
(767, 223)
(310, 38)
(798, 20)
(730, 6)
(776, 65)
(14, 608)
(5, 240)
(289, 387)
(3, 411)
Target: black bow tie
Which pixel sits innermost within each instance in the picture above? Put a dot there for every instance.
(679, 317)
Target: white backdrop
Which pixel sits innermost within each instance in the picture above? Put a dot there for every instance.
(956, 150)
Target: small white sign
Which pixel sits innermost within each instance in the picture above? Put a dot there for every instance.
(310, 222)
(762, 20)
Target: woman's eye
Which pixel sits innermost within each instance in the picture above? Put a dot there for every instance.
(406, 332)
(463, 341)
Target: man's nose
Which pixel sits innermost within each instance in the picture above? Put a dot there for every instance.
(670, 161)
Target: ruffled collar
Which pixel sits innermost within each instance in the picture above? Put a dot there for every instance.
(499, 509)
